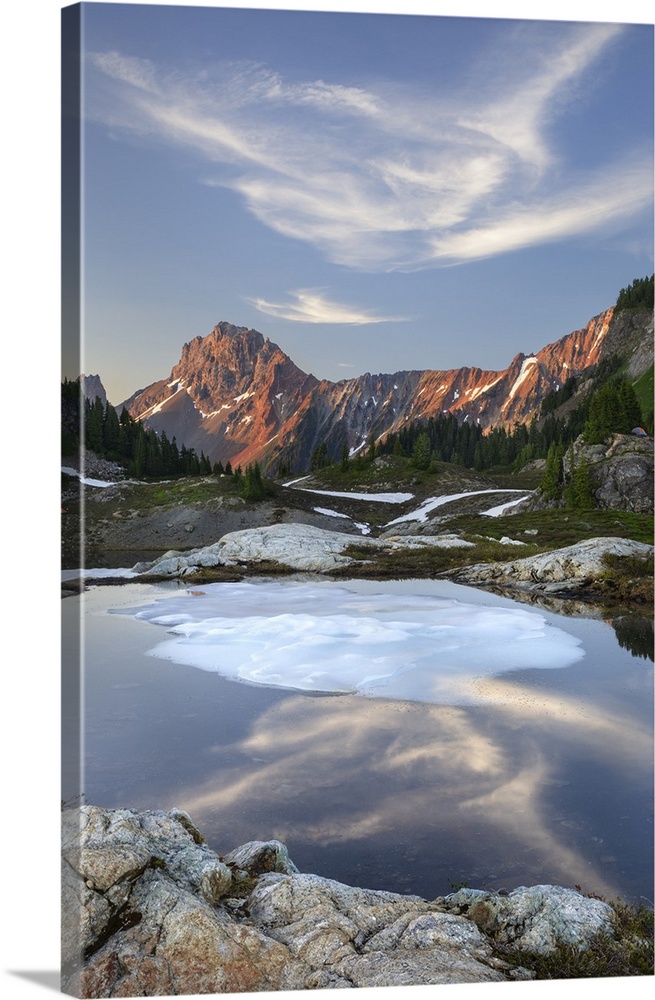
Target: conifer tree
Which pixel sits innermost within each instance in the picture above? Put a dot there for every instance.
(252, 486)
(111, 431)
(319, 458)
(137, 466)
(93, 425)
(551, 484)
(421, 451)
(631, 410)
(578, 492)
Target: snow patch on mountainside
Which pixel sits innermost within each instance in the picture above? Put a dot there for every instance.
(525, 369)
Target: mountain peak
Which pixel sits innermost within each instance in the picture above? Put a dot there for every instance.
(236, 395)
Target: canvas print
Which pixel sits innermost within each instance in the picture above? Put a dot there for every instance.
(357, 500)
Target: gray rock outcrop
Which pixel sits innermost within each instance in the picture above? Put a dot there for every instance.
(630, 337)
(621, 472)
(534, 918)
(149, 909)
(297, 546)
(564, 570)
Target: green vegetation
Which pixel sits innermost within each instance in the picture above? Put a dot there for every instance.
(556, 397)
(552, 482)
(541, 530)
(123, 439)
(613, 409)
(627, 578)
(578, 490)
(558, 527)
(627, 952)
(425, 562)
(644, 389)
(253, 486)
(638, 295)
(443, 439)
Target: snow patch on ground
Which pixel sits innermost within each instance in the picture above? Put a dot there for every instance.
(158, 406)
(330, 513)
(84, 479)
(375, 497)
(421, 513)
(501, 508)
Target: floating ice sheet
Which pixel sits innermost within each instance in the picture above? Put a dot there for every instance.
(330, 639)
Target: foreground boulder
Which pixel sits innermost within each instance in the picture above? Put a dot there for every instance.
(296, 546)
(561, 571)
(149, 909)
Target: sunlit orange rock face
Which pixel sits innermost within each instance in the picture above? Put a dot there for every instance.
(230, 395)
(236, 395)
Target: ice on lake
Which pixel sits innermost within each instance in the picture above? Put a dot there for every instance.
(332, 639)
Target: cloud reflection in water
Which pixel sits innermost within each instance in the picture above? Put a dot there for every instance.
(480, 784)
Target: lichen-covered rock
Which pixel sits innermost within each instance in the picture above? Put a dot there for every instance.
(258, 856)
(150, 910)
(562, 570)
(173, 942)
(369, 937)
(539, 918)
(299, 546)
(141, 913)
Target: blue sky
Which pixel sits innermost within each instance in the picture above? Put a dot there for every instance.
(374, 192)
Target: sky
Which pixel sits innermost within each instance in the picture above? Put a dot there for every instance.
(373, 191)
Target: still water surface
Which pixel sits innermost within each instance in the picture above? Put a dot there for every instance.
(545, 776)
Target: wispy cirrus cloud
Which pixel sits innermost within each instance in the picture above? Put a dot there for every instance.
(310, 305)
(392, 177)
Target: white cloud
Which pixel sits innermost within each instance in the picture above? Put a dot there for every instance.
(585, 209)
(517, 118)
(390, 177)
(309, 305)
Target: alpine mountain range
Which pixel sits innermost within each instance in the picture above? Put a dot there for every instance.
(235, 395)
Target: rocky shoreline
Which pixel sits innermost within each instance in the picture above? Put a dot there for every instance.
(150, 909)
(577, 570)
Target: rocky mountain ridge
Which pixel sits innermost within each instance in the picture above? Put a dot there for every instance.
(92, 388)
(237, 396)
